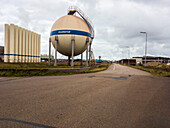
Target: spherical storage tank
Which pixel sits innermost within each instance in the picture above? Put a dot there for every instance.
(66, 28)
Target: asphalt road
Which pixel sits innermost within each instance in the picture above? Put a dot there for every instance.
(120, 97)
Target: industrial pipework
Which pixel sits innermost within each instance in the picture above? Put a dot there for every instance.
(74, 9)
(71, 11)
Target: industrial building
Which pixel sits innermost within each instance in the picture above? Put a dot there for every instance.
(45, 57)
(127, 61)
(1, 53)
(21, 45)
(141, 60)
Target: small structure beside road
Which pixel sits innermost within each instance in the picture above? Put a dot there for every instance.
(1, 53)
(141, 60)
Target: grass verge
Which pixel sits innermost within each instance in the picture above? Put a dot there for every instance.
(44, 72)
(154, 72)
(42, 65)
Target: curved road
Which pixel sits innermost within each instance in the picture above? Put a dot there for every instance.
(124, 70)
(120, 97)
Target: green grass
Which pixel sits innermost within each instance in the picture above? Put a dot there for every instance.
(42, 65)
(41, 69)
(154, 72)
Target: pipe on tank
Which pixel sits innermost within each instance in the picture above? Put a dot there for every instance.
(49, 52)
(56, 42)
(81, 59)
(72, 56)
(87, 43)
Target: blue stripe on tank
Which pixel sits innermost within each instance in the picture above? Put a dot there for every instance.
(20, 55)
(70, 32)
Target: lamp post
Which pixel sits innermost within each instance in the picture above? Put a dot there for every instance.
(145, 45)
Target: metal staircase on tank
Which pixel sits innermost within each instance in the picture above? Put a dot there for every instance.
(71, 11)
(74, 9)
(92, 56)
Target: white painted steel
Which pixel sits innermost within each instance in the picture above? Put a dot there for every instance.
(6, 48)
(32, 49)
(29, 47)
(21, 45)
(26, 46)
(12, 44)
(16, 43)
(70, 22)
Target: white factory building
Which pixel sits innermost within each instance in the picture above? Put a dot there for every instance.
(21, 45)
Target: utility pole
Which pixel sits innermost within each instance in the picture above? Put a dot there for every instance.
(145, 45)
(49, 52)
(128, 55)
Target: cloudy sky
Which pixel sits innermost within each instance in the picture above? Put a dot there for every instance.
(117, 23)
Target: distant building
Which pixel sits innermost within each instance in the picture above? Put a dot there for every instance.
(45, 57)
(21, 45)
(141, 60)
(99, 61)
(127, 61)
(1, 53)
(138, 60)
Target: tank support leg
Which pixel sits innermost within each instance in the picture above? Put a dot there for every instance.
(87, 43)
(68, 60)
(56, 42)
(72, 56)
(89, 54)
(81, 59)
(49, 52)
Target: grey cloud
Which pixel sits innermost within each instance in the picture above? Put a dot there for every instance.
(164, 3)
(117, 23)
(23, 17)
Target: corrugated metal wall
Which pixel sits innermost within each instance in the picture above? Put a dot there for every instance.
(21, 45)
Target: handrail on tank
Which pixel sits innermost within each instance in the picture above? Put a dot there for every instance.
(85, 17)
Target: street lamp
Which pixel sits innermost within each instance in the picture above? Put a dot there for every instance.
(145, 45)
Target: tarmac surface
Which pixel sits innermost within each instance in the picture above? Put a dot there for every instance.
(120, 97)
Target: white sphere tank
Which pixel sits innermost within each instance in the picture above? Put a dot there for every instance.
(66, 28)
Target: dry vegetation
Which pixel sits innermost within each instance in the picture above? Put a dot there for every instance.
(156, 70)
(41, 69)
